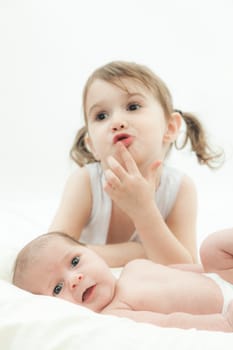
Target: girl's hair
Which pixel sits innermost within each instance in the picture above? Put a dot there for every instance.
(113, 72)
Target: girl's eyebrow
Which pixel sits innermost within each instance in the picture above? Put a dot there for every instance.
(94, 106)
(100, 103)
(135, 95)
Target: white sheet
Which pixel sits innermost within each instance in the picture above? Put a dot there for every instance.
(37, 322)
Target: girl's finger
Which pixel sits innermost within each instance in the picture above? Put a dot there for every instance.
(111, 179)
(116, 168)
(128, 160)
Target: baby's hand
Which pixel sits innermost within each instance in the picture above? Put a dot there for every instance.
(125, 184)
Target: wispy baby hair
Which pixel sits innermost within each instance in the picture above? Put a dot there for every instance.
(30, 253)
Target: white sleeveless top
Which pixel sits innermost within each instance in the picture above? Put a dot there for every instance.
(96, 230)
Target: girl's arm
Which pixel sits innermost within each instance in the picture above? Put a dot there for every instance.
(173, 241)
(183, 216)
(188, 267)
(73, 213)
(75, 206)
(119, 254)
(164, 243)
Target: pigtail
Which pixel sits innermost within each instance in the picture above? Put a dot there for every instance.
(195, 133)
(79, 152)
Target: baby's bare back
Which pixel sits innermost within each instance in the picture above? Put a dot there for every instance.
(144, 285)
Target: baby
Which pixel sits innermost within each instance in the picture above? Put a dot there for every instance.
(54, 264)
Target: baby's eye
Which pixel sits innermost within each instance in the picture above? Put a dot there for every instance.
(75, 261)
(101, 116)
(57, 289)
(133, 106)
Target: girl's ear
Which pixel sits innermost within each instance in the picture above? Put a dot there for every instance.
(173, 127)
(89, 146)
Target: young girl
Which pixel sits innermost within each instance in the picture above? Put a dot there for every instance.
(123, 200)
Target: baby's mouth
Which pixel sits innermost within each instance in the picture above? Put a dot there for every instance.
(88, 293)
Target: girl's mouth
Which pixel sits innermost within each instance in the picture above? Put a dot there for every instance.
(126, 139)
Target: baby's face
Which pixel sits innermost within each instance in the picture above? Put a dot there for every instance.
(71, 272)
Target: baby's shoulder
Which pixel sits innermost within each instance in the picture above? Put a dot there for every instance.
(135, 266)
(136, 262)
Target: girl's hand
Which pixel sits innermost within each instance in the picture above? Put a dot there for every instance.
(125, 184)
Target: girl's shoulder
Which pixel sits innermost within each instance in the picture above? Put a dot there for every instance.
(175, 185)
(94, 169)
(173, 175)
(166, 194)
(171, 178)
(78, 184)
(86, 173)
(96, 176)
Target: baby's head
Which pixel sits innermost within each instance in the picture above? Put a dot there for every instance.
(55, 264)
(30, 254)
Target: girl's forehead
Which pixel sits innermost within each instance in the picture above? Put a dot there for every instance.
(124, 86)
(129, 84)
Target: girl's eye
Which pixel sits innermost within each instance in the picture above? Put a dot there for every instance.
(101, 116)
(75, 261)
(57, 289)
(133, 106)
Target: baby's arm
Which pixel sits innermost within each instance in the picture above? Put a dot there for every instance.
(210, 322)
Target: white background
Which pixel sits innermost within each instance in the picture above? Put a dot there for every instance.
(49, 47)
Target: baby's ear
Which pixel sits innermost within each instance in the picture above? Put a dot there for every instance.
(90, 147)
(173, 127)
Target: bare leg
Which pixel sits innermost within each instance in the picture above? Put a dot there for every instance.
(216, 254)
(211, 322)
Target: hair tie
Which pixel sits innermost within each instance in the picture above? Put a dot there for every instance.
(180, 112)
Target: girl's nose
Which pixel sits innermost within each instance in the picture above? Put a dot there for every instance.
(75, 280)
(116, 126)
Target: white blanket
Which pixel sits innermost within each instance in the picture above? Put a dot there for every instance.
(37, 322)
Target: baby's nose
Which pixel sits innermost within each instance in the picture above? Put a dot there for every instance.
(75, 280)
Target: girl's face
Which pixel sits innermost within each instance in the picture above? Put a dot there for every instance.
(71, 272)
(130, 114)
